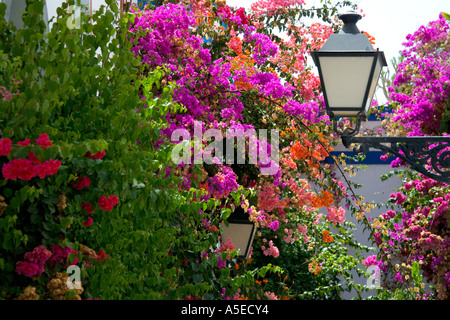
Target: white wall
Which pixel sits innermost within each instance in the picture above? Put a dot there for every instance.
(373, 189)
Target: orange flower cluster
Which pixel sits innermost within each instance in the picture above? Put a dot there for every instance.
(326, 236)
(325, 200)
(304, 150)
(314, 267)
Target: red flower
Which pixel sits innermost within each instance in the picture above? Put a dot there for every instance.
(101, 255)
(43, 141)
(19, 168)
(87, 206)
(241, 13)
(5, 146)
(33, 158)
(48, 168)
(98, 155)
(82, 182)
(24, 143)
(88, 222)
(107, 204)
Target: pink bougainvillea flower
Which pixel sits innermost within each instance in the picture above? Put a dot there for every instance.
(33, 158)
(101, 255)
(336, 215)
(34, 263)
(60, 254)
(220, 263)
(5, 146)
(26, 268)
(48, 168)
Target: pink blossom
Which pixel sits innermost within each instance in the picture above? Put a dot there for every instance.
(98, 155)
(61, 255)
(227, 246)
(274, 225)
(220, 263)
(271, 251)
(370, 261)
(34, 263)
(87, 206)
(27, 268)
(82, 182)
(336, 215)
(19, 168)
(270, 295)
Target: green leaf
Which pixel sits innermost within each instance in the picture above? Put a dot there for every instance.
(446, 15)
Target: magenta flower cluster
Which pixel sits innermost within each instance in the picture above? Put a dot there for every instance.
(421, 88)
(418, 230)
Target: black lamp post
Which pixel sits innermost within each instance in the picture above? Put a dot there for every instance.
(349, 69)
(241, 231)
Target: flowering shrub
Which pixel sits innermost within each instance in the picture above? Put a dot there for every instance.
(413, 233)
(415, 230)
(68, 154)
(420, 89)
(137, 225)
(235, 80)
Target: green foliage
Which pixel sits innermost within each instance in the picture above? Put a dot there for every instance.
(82, 87)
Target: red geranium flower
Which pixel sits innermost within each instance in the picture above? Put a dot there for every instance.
(43, 141)
(5, 146)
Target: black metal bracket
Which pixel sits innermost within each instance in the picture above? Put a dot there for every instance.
(426, 155)
(348, 132)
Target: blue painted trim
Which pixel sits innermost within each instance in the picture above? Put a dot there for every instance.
(372, 157)
(142, 3)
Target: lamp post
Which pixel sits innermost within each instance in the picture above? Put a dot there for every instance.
(241, 231)
(349, 69)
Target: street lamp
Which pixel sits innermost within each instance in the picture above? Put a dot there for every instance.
(349, 69)
(241, 231)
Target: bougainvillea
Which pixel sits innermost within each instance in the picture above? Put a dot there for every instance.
(231, 72)
(174, 67)
(413, 233)
(415, 229)
(420, 89)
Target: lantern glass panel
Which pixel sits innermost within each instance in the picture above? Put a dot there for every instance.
(241, 235)
(345, 80)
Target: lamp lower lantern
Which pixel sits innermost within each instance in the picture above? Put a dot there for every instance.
(241, 231)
